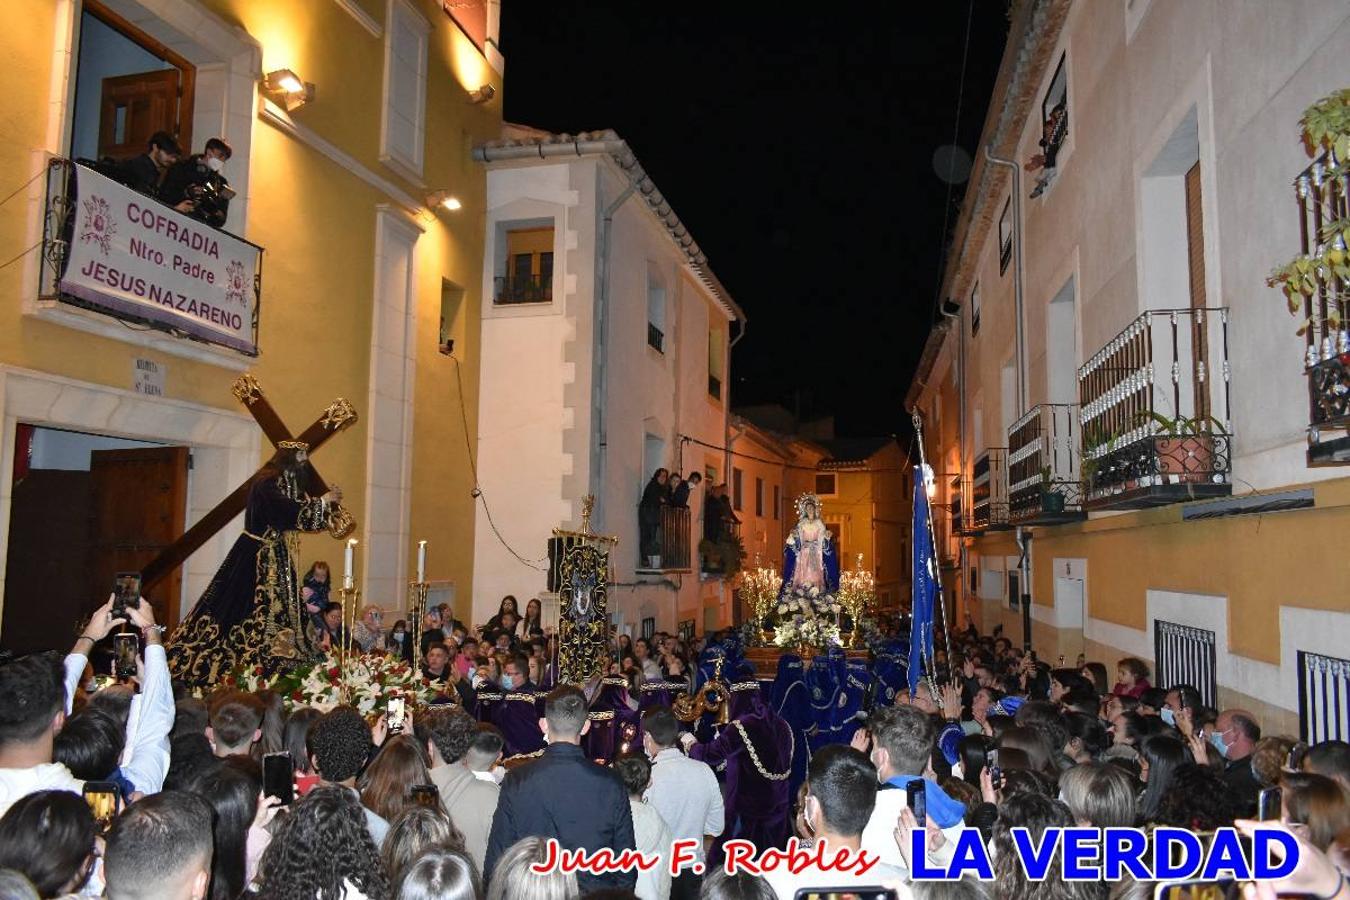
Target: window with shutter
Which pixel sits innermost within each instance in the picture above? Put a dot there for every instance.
(403, 126)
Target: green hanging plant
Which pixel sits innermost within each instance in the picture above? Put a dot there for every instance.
(1326, 130)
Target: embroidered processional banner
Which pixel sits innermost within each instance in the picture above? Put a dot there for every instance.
(583, 629)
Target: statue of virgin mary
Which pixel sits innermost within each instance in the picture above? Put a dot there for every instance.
(809, 557)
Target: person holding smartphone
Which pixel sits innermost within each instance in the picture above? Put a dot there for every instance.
(145, 757)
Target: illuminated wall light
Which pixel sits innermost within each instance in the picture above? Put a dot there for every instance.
(483, 94)
(445, 200)
(287, 89)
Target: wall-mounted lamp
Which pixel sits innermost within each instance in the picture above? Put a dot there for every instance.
(929, 482)
(287, 89)
(443, 199)
(483, 94)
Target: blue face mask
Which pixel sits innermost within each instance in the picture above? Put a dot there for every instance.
(1216, 738)
(1168, 716)
(508, 682)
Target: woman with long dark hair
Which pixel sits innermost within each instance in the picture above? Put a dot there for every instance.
(251, 613)
(1159, 758)
(418, 829)
(295, 737)
(232, 790)
(533, 623)
(322, 850)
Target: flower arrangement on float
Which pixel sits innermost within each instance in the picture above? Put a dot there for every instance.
(365, 682)
(807, 617)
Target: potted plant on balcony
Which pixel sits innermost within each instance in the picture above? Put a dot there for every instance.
(1326, 130)
(1185, 447)
(1052, 501)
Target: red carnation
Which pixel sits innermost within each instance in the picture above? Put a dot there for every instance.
(334, 672)
(297, 696)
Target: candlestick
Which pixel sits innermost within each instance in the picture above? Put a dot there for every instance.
(421, 561)
(348, 565)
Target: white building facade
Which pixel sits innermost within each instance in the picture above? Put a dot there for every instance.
(606, 348)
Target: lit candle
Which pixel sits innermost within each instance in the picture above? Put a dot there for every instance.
(348, 565)
(421, 562)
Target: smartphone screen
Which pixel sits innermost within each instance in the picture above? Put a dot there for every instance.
(279, 777)
(1269, 804)
(394, 714)
(104, 801)
(126, 591)
(995, 773)
(125, 647)
(425, 795)
(1224, 889)
(1296, 754)
(917, 801)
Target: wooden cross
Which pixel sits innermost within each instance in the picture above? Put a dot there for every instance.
(336, 417)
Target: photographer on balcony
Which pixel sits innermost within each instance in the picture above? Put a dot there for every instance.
(196, 186)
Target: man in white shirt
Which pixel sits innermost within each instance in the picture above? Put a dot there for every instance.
(145, 755)
(684, 791)
(841, 790)
(33, 709)
(903, 739)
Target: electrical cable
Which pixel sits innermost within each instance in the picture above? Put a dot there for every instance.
(477, 489)
(15, 259)
(12, 194)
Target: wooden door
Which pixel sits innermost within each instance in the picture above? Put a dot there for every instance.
(140, 507)
(133, 107)
(47, 568)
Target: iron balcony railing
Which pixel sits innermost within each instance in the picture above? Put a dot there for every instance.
(664, 539)
(1155, 412)
(1321, 202)
(1044, 466)
(61, 210)
(989, 490)
(512, 289)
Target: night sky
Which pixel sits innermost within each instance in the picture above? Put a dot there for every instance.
(799, 151)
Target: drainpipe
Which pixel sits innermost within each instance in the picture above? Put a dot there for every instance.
(1017, 275)
(602, 348)
(726, 402)
(1023, 536)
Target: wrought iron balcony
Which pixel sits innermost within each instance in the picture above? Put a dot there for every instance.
(1044, 468)
(1155, 412)
(511, 289)
(664, 538)
(1322, 201)
(989, 491)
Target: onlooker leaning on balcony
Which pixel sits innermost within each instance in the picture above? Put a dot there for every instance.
(143, 173)
(654, 497)
(196, 186)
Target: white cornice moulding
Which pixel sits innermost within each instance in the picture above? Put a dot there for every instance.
(362, 17)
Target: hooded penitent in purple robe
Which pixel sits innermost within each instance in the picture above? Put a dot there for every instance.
(517, 715)
(791, 700)
(757, 748)
(614, 720)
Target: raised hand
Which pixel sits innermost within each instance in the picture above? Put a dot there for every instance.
(951, 701)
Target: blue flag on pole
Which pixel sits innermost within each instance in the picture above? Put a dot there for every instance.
(925, 584)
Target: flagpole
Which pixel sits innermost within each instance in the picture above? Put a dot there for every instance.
(932, 543)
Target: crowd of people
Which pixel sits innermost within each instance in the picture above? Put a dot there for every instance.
(174, 802)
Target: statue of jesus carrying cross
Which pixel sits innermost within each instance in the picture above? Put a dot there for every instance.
(251, 615)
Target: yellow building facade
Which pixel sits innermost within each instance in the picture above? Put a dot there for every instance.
(1105, 292)
(368, 286)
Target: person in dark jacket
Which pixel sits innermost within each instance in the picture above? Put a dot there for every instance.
(654, 496)
(565, 796)
(196, 186)
(143, 173)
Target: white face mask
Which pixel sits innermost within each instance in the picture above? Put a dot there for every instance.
(958, 771)
(215, 164)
